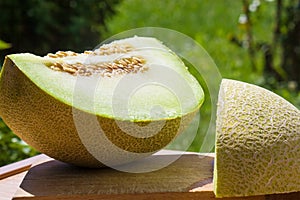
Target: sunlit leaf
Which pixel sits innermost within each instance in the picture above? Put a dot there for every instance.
(4, 45)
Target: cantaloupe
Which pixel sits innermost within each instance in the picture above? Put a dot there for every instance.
(118, 103)
(258, 142)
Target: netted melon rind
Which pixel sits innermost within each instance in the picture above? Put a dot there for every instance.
(258, 142)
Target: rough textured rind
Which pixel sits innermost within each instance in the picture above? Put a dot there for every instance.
(258, 142)
(48, 125)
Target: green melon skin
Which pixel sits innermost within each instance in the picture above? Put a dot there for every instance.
(44, 118)
(258, 142)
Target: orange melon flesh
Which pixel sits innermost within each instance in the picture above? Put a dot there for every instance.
(258, 142)
(55, 111)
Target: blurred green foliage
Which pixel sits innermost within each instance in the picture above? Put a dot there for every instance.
(219, 26)
(12, 148)
(209, 22)
(47, 26)
(4, 45)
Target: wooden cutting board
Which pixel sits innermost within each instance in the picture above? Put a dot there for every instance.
(189, 177)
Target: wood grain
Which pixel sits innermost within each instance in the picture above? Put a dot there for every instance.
(189, 177)
(13, 174)
(10, 185)
(13, 170)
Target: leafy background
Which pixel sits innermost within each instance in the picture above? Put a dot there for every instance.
(256, 41)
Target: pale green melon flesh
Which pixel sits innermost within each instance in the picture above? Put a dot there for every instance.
(107, 98)
(258, 142)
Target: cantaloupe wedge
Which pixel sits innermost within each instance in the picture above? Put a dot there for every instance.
(121, 102)
(258, 142)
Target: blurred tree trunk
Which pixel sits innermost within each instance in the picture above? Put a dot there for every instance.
(287, 18)
(282, 54)
(291, 43)
(270, 50)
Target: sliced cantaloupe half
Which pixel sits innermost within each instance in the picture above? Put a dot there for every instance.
(258, 142)
(120, 102)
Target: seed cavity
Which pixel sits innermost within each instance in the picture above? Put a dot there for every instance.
(120, 66)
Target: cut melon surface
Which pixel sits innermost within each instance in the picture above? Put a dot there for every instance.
(257, 142)
(161, 83)
(120, 102)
